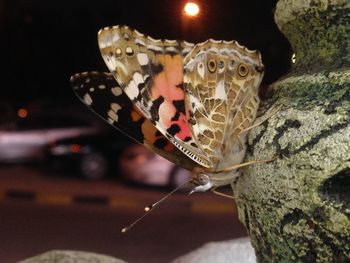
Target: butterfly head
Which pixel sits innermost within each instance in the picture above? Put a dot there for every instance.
(205, 179)
(201, 180)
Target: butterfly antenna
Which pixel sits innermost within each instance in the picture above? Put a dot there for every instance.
(148, 209)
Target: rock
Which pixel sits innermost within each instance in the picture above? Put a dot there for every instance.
(233, 251)
(60, 256)
(297, 207)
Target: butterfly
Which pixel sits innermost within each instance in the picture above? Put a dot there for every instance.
(191, 103)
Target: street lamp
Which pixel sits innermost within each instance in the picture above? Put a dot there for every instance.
(191, 9)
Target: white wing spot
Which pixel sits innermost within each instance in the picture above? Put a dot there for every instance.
(115, 107)
(121, 66)
(92, 89)
(201, 70)
(87, 80)
(139, 41)
(111, 62)
(87, 99)
(115, 37)
(101, 44)
(117, 91)
(113, 112)
(220, 90)
(202, 127)
(138, 78)
(142, 59)
(132, 90)
(101, 86)
(107, 40)
(112, 115)
(171, 49)
(155, 48)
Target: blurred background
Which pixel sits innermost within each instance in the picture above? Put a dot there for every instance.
(67, 179)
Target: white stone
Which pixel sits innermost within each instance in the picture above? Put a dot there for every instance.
(233, 251)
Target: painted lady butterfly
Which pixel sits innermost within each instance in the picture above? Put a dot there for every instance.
(192, 104)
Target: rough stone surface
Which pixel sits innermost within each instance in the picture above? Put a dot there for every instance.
(297, 208)
(286, 10)
(60, 256)
(318, 31)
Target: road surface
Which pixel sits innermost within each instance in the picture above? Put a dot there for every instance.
(40, 213)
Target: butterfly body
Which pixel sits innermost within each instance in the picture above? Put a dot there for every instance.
(200, 98)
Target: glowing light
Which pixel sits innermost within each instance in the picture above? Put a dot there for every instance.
(22, 113)
(75, 148)
(294, 58)
(191, 9)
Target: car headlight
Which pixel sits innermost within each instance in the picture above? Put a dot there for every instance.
(60, 149)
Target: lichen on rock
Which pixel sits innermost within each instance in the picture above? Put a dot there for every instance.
(318, 31)
(296, 208)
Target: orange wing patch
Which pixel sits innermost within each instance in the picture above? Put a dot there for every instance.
(168, 85)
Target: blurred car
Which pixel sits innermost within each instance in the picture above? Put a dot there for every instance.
(24, 139)
(91, 156)
(140, 165)
(97, 156)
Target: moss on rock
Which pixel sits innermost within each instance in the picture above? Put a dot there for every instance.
(318, 32)
(296, 208)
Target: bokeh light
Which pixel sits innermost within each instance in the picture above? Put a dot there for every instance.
(22, 113)
(191, 9)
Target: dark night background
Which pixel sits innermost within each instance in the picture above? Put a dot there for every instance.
(44, 42)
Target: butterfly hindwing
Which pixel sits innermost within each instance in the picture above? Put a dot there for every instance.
(151, 74)
(221, 81)
(100, 92)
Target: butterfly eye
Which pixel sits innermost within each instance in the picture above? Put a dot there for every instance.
(232, 63)
(129, 51)
(221, 64)
(243, 70)
(212, 65)
(118, 52)
(203, 179)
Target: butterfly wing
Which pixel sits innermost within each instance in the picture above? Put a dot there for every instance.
(151, 74)
(221, 82)
(101, 93)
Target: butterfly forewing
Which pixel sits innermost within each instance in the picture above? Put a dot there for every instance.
(221, 82)
(151, 74)
(100, 92)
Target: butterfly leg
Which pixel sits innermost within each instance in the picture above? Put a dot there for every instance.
(263, 120)
(222, 194)
(234, 167)
(214, 191)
